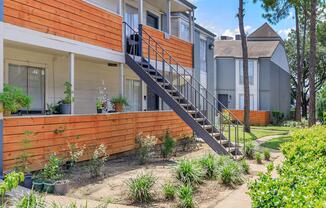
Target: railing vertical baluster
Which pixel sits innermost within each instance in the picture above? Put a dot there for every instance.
(156, 52)
(149, 50)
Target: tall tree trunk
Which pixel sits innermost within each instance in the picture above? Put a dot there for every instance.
(303, 52)
(245, 68)
(312, 64)
(298, 98)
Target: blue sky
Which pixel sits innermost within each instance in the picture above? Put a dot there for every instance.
(219, 16)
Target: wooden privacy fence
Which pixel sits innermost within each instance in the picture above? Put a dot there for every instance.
(256, 117)
(51, 134)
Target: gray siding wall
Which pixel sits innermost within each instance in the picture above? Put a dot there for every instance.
(225, 79)
(274, 87)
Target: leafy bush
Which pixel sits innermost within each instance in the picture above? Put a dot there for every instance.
(167, 146)
(68, 93)
(185, 195)
(258, 157)
(100, 156)
(296, 124)
(10, 182)
(270, 167)
(169, 191)
(267, 154)
(189, 172)
(249, 150)
(301, 181)
(231, 173)
(244, 166)
(146, 146)
(277, 117)
(321, 105)
(52, 169)
(14, 99)
(140, 188)
(188, 143)
(209, 165)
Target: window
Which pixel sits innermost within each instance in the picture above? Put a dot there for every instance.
(110, 5)
(241, 102)
(250, 72)
(184, 31)
(152, 20)
(203, 62)
(133, 95)
(131, 18)
(32, 81)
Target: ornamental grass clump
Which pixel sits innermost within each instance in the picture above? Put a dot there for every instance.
(209, 166)
(185, 197)
(301, 179)
(249, 150)
(189, 172)
(169, 191)
(231, 173)
(267, 154)
(259, 158)
(244, 166)
(140, 188)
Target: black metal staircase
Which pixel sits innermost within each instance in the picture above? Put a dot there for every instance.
(182, 92)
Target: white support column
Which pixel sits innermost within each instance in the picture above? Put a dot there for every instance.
(141, 11)
(121, 79)
(72, 80)
(168, 16)
(121, 7)
(191, 25)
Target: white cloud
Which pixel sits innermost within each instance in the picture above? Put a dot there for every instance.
(235, 31)
(284, 32)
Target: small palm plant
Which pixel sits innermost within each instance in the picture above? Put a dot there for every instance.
(209, 164)
(185, 195)
(189, 172)
(140, 188)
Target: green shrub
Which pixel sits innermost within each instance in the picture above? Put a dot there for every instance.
(189, 172)
(31, 200)
(258, 157)
(209, 165)
(168, 146)
(277, 117)
(267, 154)
(14, 99)
(68, 94)
(231, 174)
(301, 181)
(185, 195)
(145, 148)
(140, 188)
(249, 150)
(10, 182)
(296, 124)
(169, 191)
(321, 105)
(52, 169)
(270, 167)
(244, 166)
(99, 157)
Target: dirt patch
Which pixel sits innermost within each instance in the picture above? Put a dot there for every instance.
(112, 189)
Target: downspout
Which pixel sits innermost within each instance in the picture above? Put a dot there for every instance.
(1, 87)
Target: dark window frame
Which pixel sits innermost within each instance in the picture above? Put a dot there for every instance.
(154, 16)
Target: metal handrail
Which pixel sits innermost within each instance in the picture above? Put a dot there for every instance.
(157, 53)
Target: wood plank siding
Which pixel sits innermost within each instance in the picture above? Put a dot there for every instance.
(73, 19)
(180, 50)
(53, 133)
(256, 117)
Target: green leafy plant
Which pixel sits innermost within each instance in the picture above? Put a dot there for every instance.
(68, 93)
(244, 166)
(10, 182)
(231, 173)
(267, 154)
(277, 117)
(270, 167)
(209, 165)
(31, 200)
(140, 188)
(169, 191)
(119, 100)
(301, 179)
(14, 99)
(189, 172)
(22, 159)
(258, 157)
(52, 169)
(145, 148)
(99, 104)
(185, 196)
(188, 143)
(99, 157)
(321, 105)
(249, 150)
(75, 152)
(168, 146)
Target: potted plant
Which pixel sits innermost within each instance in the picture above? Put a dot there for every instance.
(23, 160)
(38, 183)
(51, 173)
(65, 104)
(99, 106)
(13, 99)
(118, 103)
(61, 187)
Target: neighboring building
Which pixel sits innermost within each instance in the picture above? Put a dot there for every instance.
(269, 75)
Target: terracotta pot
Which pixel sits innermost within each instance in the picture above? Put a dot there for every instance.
(118, 107)
(62, 187)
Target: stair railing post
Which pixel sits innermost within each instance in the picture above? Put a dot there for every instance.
(140, 41)
(156, 54)
(149, 51)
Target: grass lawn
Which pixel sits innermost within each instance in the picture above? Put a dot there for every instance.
(276, 142)
(261, 131)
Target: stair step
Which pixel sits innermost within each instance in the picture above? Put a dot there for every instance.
(192, 112)
(199, 119)
(207, 126)
(185, 104)
(157, 77)
(215, 134)
(223, 141)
